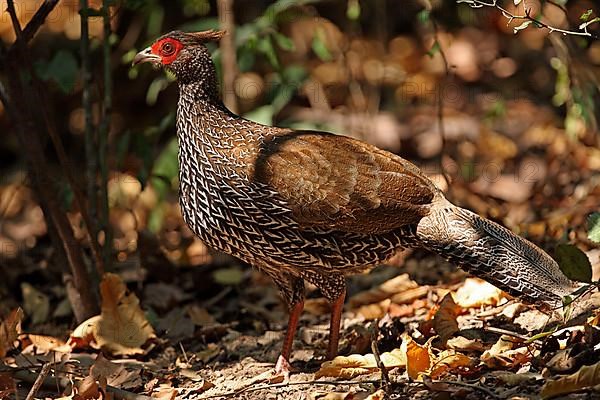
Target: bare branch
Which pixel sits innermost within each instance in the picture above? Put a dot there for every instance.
(38, 19)
(527, 17)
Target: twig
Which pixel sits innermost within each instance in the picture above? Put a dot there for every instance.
(26, 375)
(501, 331)
(89, 136)
(103, 135)
(385, 378)
(527, 17)
(39, 381)
(464, 384)
(38, 19)
(286, 384)
(228, 56)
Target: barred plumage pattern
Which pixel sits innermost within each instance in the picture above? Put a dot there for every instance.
(311, 206)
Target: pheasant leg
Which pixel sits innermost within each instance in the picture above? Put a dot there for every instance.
(283, 365)
(334, 325)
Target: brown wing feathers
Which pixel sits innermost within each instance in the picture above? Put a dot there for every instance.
(336, 182)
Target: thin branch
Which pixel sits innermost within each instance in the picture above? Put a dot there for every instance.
(287, 384)
(89, 134)
(25, 374)
(103, 135)
(385, 378)
(38, 19)
(10, 7)
(527, 17)
(39, 381)
(483, 389)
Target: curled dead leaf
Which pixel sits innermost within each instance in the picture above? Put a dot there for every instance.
(588, 376)
(448, 361)
(507, 352)
(444, 320)
(356, 364)
(121, 328)
(476, 293)
(43, 343)
(10, 328)
(464, 344)
(384, 291)
(417, 357)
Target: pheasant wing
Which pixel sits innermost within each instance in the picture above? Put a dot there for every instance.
(336, 182)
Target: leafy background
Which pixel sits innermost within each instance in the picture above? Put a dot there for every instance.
(507, 112)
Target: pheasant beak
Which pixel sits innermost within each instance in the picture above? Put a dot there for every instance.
(146, 55)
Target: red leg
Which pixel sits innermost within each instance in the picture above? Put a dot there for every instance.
(283, 361)
(334, 325)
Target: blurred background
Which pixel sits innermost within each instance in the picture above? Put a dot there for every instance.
(502, 115)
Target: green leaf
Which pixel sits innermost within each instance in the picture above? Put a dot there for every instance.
(229, 276)
(594, 227)
(319, 47)
(524, 25)
(262, 115)
(434, 49)
(423, 16)
(586, 15)
(588, 23)
(265, 46)
(62, 69)
(353, 10)
(574, 263)
(284, 42)
(165, 169)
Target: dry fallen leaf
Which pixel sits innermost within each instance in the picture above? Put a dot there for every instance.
(10, 328)
(512, 379)
(444, 320)
(88, 389)
(448, 361)
(464, 344)
(165, 392)
(384, 291)
(121, 328)
(356, 364)
(417, 357)
(378, 395)
(507, 353)
(375, 310)
(43, 343)
(115, 374)
(337, 396)
(318, 306)
(588, 376)
(476, 292)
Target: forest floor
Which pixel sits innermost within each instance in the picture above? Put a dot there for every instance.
(180, 321)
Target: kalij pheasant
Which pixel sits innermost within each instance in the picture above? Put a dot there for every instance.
(313, 206)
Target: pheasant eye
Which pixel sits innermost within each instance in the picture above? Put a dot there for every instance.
(167, 49)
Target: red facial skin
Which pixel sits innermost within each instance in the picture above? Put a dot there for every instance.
(167, 49)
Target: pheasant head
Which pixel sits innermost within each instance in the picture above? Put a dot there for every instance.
(184, 54)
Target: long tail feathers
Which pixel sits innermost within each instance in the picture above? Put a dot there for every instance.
(495, 254)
